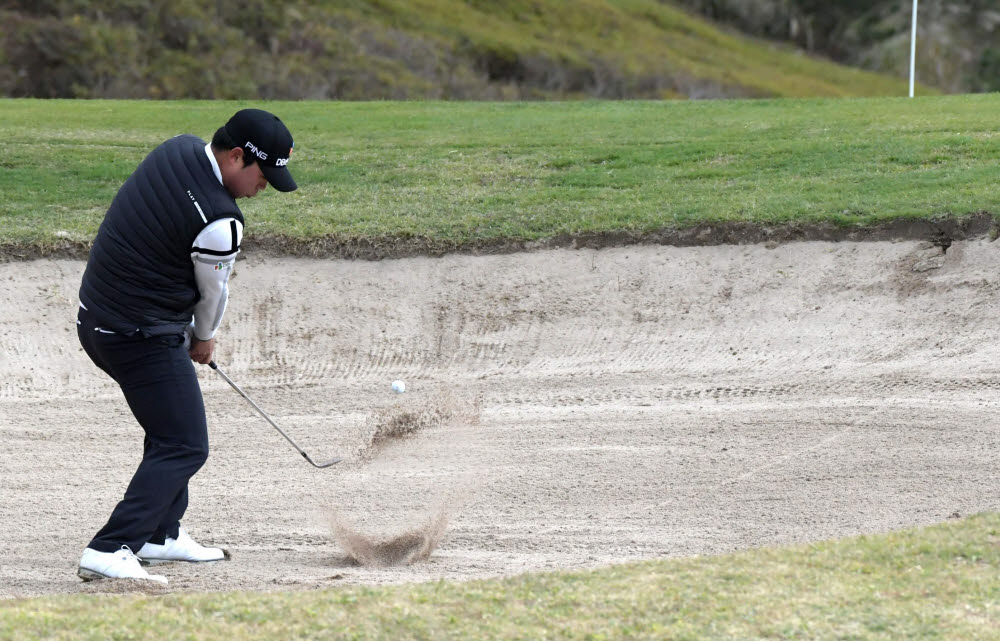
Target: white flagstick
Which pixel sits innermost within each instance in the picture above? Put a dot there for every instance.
(913, 47)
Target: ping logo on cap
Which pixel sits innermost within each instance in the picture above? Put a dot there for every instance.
(256, 151)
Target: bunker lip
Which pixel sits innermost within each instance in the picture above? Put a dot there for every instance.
(934, 229)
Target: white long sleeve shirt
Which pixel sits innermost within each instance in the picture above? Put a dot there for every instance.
(213, 254)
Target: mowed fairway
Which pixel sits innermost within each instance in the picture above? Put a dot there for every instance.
(575, 409)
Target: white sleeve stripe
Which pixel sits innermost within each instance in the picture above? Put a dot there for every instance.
(200, 212)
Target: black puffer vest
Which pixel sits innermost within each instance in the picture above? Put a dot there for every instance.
(140, 276)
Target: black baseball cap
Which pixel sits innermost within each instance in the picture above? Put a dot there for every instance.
(262, 135)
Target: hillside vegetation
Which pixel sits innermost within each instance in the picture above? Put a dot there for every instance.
(399, 49)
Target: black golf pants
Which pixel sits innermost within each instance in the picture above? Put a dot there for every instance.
(161, 387)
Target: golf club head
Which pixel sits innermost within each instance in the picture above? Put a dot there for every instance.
(324, 464)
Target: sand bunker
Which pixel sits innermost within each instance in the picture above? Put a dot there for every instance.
(440, 420)
(414, 413)
(395, 549)
(123, 586)
(637, 402)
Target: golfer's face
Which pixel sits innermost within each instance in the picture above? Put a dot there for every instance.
(248, 181)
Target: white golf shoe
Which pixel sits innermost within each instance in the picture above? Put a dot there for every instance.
(113, 565)
(183, 548)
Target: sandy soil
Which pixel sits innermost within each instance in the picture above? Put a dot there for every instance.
(572, 409)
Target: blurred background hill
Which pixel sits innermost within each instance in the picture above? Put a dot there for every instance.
(957, 40)
(488, 50)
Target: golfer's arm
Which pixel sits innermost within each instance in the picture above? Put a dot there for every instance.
(213, 254)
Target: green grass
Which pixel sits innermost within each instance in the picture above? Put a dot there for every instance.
(461, 174)
(939, 582)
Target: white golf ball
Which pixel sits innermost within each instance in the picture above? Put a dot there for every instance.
(399, 387)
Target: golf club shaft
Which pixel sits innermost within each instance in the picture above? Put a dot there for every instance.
(268, 418)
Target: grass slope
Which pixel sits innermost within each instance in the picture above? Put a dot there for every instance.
(628, 41)
(461, 174)
(933, 583)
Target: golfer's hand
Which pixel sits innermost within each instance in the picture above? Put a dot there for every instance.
(201, 351)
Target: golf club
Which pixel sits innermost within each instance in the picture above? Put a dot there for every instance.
(268, 418)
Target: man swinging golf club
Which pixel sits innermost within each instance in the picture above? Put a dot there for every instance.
(157, 275)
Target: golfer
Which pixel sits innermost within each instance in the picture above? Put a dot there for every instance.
(152, 298)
